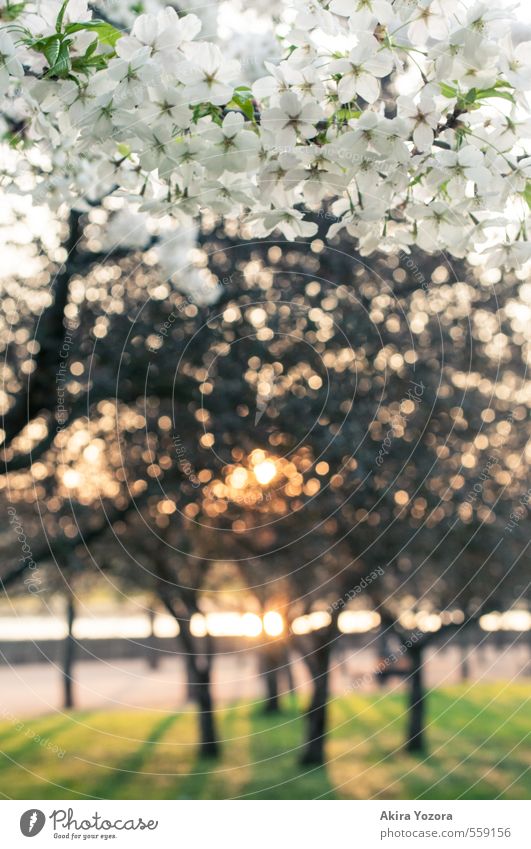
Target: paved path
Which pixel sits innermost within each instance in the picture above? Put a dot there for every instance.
(35, 689)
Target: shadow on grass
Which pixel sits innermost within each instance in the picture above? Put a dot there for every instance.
(33, 733)
(129, 767)
(215, 777)
(276, 746)
(476, 749)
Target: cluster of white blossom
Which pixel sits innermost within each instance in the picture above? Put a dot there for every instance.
(123, 13)
(408, 119)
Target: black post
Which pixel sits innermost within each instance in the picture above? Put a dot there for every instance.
(69, 653)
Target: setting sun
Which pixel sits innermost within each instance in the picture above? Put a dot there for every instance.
(265, 472)
(273, 623)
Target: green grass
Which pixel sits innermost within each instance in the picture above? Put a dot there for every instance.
(478, 749)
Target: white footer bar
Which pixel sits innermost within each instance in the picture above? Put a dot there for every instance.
(267, 824)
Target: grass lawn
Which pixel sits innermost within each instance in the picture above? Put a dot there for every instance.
(478, 735)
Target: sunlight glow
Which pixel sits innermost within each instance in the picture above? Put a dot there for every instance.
(71, 478)
(273, 623)
(251, 625)
(226, 624)
(265, 472)
(511, 620)
(238, 478)
(198, 625)
(357, 621)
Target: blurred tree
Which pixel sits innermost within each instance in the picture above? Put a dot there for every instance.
(290, 406)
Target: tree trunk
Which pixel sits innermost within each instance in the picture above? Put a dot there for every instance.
(68, 654)
(383, 649)
(465, 662)
(269, 663)
(417, 702)
(316, 716)
(199, 668)
(152, 653)
(191, 681)
(200, 692)
(49, 333)
(207, 727)
(289, 671)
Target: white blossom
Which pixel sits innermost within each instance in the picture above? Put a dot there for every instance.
(232, 147)
(207, 75)
(360, 73)
(440, 158)
(422, 119)
(291, 119)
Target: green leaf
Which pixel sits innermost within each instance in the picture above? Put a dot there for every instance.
(13, 10)
(346, 114)
(468, 102)
(55, 49)
(416, 180)
(13, 139)
(495, 92)
(242, 99)
(51, 49)
(448, 91)
(90, 60)
(62, 65)
(203, 109)
(91, 49)
(244, 104)
(526, 194)
(60, 17)
(107, 34)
